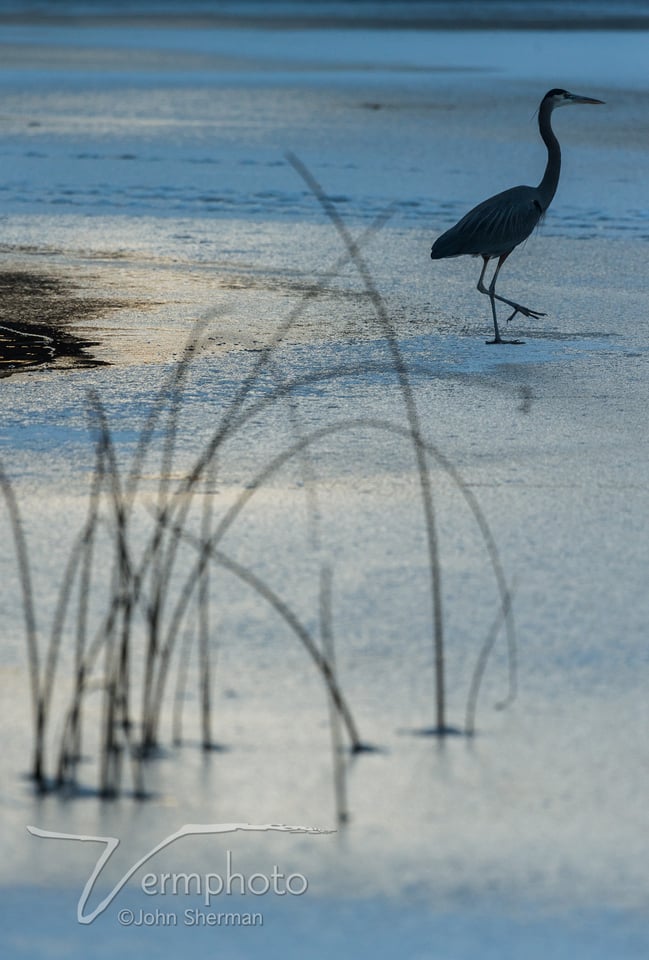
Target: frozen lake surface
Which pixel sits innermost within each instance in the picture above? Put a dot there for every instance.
(146, 195)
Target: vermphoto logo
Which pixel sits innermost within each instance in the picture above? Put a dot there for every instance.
(207, 885)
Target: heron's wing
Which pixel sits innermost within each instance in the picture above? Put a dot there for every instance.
(494, 227)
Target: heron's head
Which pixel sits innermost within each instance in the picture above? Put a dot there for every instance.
(561, 98)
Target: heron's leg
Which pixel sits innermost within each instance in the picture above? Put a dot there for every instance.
(493, 296)
(489, 293)
(534, 314)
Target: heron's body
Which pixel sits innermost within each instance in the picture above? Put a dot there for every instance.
(494, 227)
(498, 225)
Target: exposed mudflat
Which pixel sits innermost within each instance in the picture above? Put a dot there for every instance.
(39, 314)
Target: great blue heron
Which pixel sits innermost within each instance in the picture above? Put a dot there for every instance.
(497, 225)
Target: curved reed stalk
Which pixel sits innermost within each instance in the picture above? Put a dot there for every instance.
(272, 467)
(210, 552)
(412, 415)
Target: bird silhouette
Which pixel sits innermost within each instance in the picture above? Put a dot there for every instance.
(498, 225)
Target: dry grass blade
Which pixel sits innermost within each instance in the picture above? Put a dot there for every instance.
(328, 647)
(31, 631)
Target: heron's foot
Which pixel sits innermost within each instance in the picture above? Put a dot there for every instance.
(517, 343)
(525, 311)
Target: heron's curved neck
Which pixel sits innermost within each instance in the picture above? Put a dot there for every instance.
(548, 185)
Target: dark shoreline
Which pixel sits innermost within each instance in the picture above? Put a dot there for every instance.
(38, 313)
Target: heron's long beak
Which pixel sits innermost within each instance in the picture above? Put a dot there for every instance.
(574, 98)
